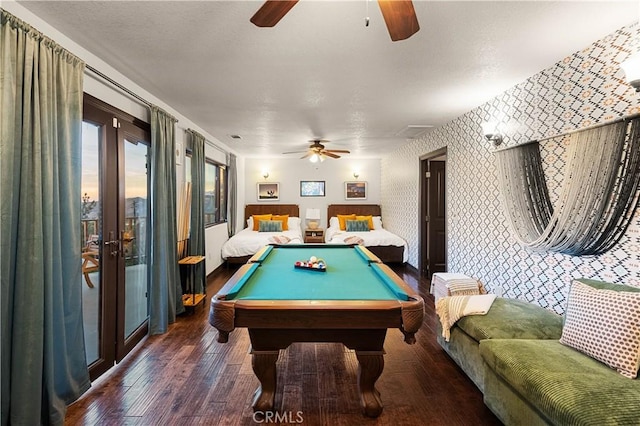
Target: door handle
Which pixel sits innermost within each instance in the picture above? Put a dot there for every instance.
(113, 244)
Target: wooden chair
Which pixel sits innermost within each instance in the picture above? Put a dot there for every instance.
(90, 262)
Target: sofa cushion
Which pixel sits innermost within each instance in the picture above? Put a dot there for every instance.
(566, 386)
(513, 319)
(604, 324)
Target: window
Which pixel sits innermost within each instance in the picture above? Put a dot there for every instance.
(215, 193)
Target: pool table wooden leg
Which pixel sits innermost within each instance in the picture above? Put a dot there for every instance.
(371, 364)
(264, 367)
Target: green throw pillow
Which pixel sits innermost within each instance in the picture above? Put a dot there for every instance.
(357, 225)
(270, 226)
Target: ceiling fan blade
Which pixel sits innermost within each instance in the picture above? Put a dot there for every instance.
(271, 12)
(400, 17)
(294, 152)
(330, 154)
(343, 151)
(308, 154)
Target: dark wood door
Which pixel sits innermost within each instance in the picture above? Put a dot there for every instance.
(114, 233)
(436, 218)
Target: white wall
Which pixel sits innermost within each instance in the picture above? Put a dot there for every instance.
(335, 172)
(215, 236)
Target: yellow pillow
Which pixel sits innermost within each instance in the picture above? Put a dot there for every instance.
(342, 220)
(257, 218)
(367, 218)
(285, 220)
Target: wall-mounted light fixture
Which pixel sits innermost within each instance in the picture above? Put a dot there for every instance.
(631, 68)
(490, 131)
(356, 174)
(265, 174)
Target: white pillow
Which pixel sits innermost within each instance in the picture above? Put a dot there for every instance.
(293, 223)
(250, 222)
(333, 223)
(377, 222)
(604, 324)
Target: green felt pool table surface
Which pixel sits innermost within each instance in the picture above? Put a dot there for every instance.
(349, 275)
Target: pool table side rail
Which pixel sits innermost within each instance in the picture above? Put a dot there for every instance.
(260, 254)
(367, 254)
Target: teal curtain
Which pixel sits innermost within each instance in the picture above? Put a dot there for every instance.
(196, 235)
(232, 194)
(165, 295)
(43, 352)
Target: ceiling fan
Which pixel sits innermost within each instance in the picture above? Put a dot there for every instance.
(316, 151)
(399, 15)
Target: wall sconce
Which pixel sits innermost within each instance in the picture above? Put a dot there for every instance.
(490, 132)
(631, 68)
(265, 174)
(356, 175)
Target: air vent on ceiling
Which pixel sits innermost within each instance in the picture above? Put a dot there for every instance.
(412, 131)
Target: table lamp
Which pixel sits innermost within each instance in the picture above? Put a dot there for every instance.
(312, 216)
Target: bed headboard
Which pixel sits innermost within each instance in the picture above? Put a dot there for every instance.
(359, 209)
(293, 210)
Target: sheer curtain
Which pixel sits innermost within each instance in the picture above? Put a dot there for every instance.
(232, 194)
(196, 235)
(598, 198)
(165, 300)
(43, 351)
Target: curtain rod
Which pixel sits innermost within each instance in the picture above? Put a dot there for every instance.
(118, 85)
(593, 126)
(121, 87)
(208, 142)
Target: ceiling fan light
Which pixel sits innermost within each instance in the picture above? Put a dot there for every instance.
(314, 158)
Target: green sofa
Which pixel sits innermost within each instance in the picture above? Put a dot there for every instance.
(529, 378)
(507, 319)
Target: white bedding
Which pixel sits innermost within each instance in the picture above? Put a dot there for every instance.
(376, 237)
(247, 242)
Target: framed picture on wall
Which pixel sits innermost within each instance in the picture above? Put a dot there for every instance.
(268, 191)
(312, 188)
(355, 190)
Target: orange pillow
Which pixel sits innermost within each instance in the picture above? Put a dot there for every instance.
(257, 218)
(342, 220)
(368, 218)
(285, 220)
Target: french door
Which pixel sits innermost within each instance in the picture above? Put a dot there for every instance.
(115, 212)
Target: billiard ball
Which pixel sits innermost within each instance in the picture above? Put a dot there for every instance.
(313, 259)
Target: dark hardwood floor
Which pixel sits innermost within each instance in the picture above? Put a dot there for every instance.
(185, 377)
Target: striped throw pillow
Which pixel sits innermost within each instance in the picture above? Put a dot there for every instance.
(357, 225)
(270, 226)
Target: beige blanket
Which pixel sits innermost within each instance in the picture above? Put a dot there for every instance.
(451, 309)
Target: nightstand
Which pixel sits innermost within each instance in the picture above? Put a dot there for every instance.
(314, 235)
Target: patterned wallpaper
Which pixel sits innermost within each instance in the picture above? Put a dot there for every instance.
(584, 88)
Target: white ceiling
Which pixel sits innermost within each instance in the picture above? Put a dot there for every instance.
(320, 73)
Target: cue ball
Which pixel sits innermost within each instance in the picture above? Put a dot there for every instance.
(313, 259)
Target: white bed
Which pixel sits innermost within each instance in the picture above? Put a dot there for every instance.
(247, 242)
(378, 237)
(239, 248)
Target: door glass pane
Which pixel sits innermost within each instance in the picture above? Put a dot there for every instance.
(91, 236)
(135, 235)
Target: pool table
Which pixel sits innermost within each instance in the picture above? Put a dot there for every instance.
(353, 302)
